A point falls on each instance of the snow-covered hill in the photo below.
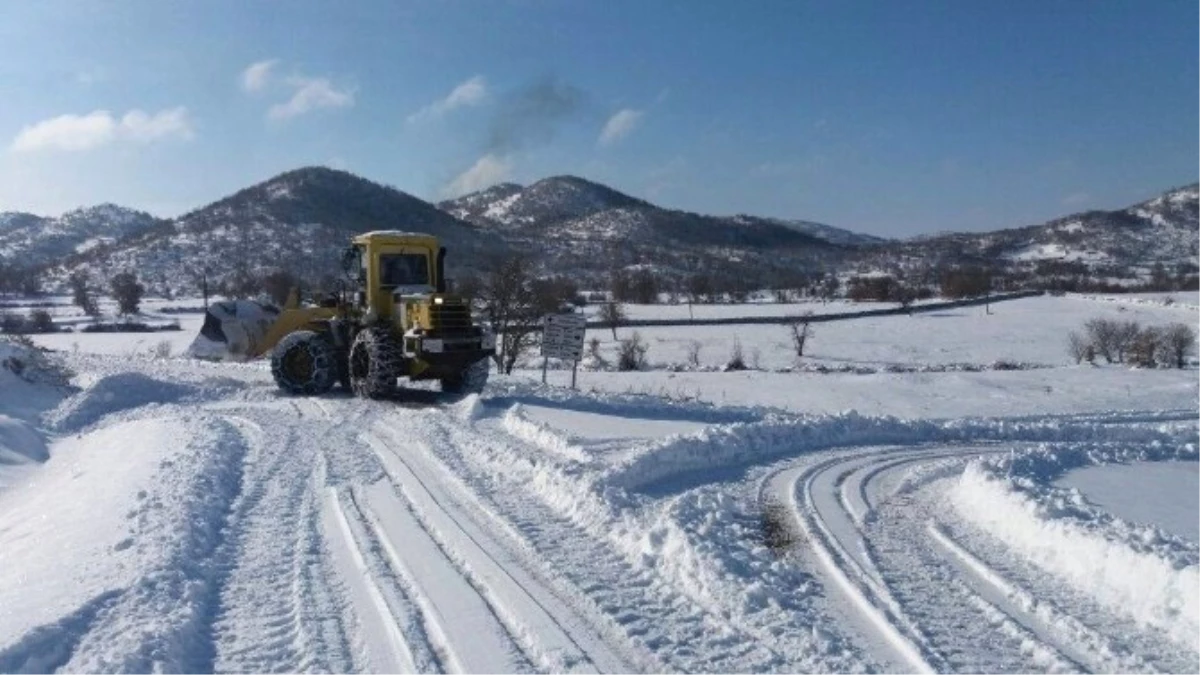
(831, 234)
(572, 223)
(26, 238)
(1122, 244)
(297, 222)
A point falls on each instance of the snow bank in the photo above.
(723, 446)
(541, 435)
(705, 544)
(111, 394)
(1148, 574)
(107, 551)
(30, 381)
(20, 442)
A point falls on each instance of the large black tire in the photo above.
(469, 381)
(375, 363)
(303, 363)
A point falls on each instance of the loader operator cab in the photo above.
(403, 269)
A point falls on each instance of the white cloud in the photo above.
(138, 126)
(468, 93)
(73, 133)
(620, 125)
(256, 76)
(485, 172)
(67, 132)
(311, 94)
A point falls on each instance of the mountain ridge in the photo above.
(299, 220)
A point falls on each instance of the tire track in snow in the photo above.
(548, 631)
(636, 603)
(933, 602)
(392, 630)
(277, 609)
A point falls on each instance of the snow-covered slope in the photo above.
(831, 234)
(298, 222)
(572, 223)
(1125, 243)
(33, 241)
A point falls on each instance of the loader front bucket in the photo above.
(233, 330)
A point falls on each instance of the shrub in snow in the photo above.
(775, 527)
(162, 350)
(592, 359)
(737, 360)
(40, 321)
(12, 324)
(632, 353)
(128, 327)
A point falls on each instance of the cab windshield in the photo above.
(403, 269)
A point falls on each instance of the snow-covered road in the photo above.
(929, 593)
(190, 518)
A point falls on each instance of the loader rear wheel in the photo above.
(470, 381)
(303, 363)
(375, 362)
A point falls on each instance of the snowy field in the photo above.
(943, 492)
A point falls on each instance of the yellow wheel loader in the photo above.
(399, 322)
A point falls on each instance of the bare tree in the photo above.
(513, 303)
(1143, 348)
(1124, 335)
(1178, 341)
(612, 315)
(279, 285)
(127, 291)
(81, 293)
(801, 330)
(1077, 346)
(693, 353)
(1102, 335)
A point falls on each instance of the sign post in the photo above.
(562, 338)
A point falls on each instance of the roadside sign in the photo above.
(562, 336)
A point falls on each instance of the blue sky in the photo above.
(886, 118)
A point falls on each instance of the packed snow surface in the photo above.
(893, 501)
(1159, 493)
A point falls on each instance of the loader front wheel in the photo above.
(303, 363)
(470, 381)
(375, 362)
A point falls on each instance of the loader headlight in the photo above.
(438, 301)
